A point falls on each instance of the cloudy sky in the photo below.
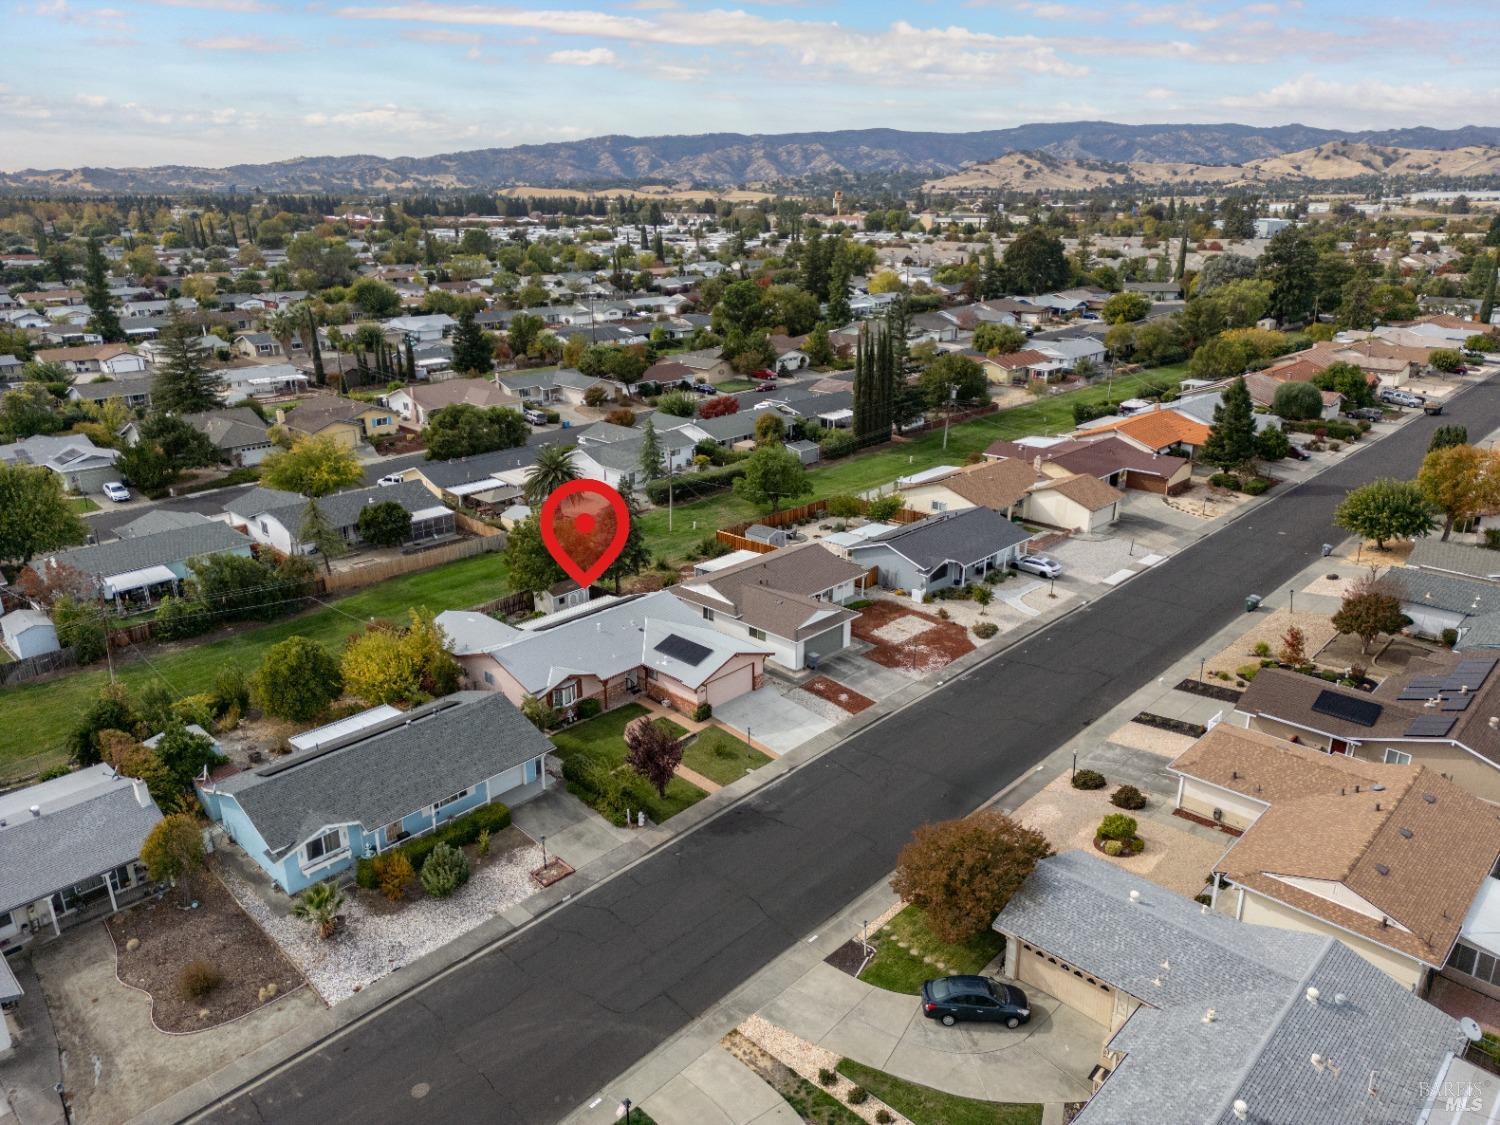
(215, 82)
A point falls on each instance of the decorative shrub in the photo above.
(827, 1077)
(197, 979)
(364, 874)
(1088, 779)
(446, 870)
(1112, 847)
(1225, 480)
(985, 630)
(1117, 826)
(199, 709)
(702, 713)
(983, 595)
(858, 1095)
(1262, 649)
(1247, 672)
(844, 506)
(883, 1117)
(1128, 797)
(393, 871)
(482, 844)
(1255, 487)
(944, 614)
(1450, 637)
(587, 709)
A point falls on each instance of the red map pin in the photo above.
(584, 525)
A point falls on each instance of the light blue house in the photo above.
(367, 783)
(141, 567)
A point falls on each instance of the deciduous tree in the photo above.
(297, 679)
(313, 466)
(1386, 509)
(1368, 610)
(34, 514)
(173, 851)
(773, 474)
(1462, 482)
(652, 751)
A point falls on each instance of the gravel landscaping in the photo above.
(1269, 628)
(376, 938)
(846, 700)
(757, 1038)
(922, 649)
(156, 939)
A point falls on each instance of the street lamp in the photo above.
(1291, 604)
(623, 1112)
(1202, 660)
(544, 852)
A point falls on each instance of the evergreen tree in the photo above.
(317, 531)
(471, 351)
(653, 466)
(1181, 255)
(183, 383)
(319, 375)
(1231, 438)
(839, 312)
(411, 361)
(1487, 302)
(991, 276)
(818, 348)
(103, 319)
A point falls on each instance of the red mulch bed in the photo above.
(218, 932)
(937, 646)
(846, 699)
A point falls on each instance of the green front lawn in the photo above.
(734, 386)
(38, 716)
(82, 505)
(604, 738)
(721, 757)
(1052, 414)
(926, 1106)
(905, 970)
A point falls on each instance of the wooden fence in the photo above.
(406, 564)
(465, 522)
(522, 602)
(734, 535)
(31, 667)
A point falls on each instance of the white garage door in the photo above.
(1073, 987)
(731, 686)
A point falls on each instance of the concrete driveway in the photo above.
(772, 719)
(871, 680)
(1047, 1060)
(718, 1089)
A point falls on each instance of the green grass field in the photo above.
(604, 737)
(38, 716)
(721, 757)
(82, 505)
(923, 1105)
(904, 970)
(1050, 415)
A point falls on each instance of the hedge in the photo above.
(1335, 428)
(691, 485)
(456, 833)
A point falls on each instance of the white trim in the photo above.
(1345, 929)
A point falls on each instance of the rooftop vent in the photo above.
(1135, 896)
(1405, 833)
(1209, 1016)
(1382, 869)
(36, 810)
(1429, 798)
(1377, 789)
(1312, 994)
(1241, 1109)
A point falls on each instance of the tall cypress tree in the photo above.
(1487, 304)
(103, 318)
(1181, 254)
(319, 374)
(411, 361)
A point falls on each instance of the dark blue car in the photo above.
(951, 999)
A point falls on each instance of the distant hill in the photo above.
(1332, 160)
(724, 159)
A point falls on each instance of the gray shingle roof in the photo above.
(341, 508)
(964, 537)
(113, 388)
(1449, 592)
(230, 429)
(173, 545)
(91, 822)
(387, 772)
(1455, 558)
(1181, 961)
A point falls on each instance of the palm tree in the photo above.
(320, 905)
(283, 324)
(553, 469)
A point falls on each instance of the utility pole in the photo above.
(948, 414)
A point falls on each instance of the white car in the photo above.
(390, 479)
(117, 492)
(1044, 566)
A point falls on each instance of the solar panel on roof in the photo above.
(1456, 703)
(1425, 683)
(1361, 712)
(684, 650)
(1412, 692)
(1430, 726)
(1469, 674)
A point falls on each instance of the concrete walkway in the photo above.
(1046, 1060)
(28, 1078)
(717, 1089)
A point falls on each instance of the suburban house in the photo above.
(493, 479)
(143, 567)
(950, 549)
(1014, 488)
(610, 650)
(1161, 430)
(1461, 560)
(417, 403)
(1391, 860)
(1118, 463)
(566, 385)
(1440, 713)
(134, 391)
(347, 421)
(80, 464)
(237, 433)
(369, 782)
(1437, 602)
(274, 518)
(1209, 1020)
(113, 360)
(1010, 368)
(790, 600)
(70, 851)
(258, 345)
(28, 632)
(422, 329)
(1263, 386)
(236, 384)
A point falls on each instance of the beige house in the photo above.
(1016, 489)
(1388, 859)
(347, 421)
(417, 403)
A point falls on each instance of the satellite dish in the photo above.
(1470, 1029)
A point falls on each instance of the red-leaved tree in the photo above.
(653, 752)
(718, 406)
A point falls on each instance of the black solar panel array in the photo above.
(1430, 726)
(1456, 703)
(680, 648)
(1469, 674)
(1360, 712)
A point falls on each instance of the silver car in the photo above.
(1044, 566)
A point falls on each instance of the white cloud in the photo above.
(251, 44)
(218, 5)
(441, 35)
(594, 56)
(1363, 103)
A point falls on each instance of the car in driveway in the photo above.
(116, 492)
(951, 999)
(1044, 566)
(1401, 398)
(1366, 414)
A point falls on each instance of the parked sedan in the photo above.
(1044, 566)
(1366, 414)
(950, 999)
(117, 492)
(766, 387)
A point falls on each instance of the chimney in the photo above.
(142, 794)
(1036, 464)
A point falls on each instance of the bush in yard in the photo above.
(702, 713)
(961, 873)
(1272, 444)
(482, 844)
(837, 443)
(393, 871)
(587, 709)
(173, 851)
(1261, 649)
(884, 507)
(858, 1095)
(1112, 847)
(827, 1077)
(1225, 480)
(386, 524)
(197, 979)
(1088, 779)
(200, 709)
(1247, 672)
(364, 874)
(983, 595)
(445, 871)
(883, 1117)
(297, 679)
(1293, 647)
(231, 689)
(1117, 826)
(985, 630)
(1255, 486)
(1128, 797)
(319, 906)
(844, 507)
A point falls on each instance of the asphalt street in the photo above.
(531, 1030)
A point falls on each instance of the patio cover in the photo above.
(137, 579)
(1481, 928)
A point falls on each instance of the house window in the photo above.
(320, 847)
(489, 678)
(758, 634)
(459, 796)
(939, 505)
(1397, 757)
(565, 695)
(708, 614)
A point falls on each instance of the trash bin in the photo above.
(1327, 549)
(1252, 602)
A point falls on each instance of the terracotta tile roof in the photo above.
(1089, 491)
(1157, 429)
(1262, 385)
(992, 484)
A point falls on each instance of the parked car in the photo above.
(1366, 414)
(1432, 407)
(390, 479)
(766, 387)
(950, 999)
(535, 417)
(1043, 565)
(763, 373)
(1297, 453)
(117, 492)
(705, 389)
(1401, 398)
